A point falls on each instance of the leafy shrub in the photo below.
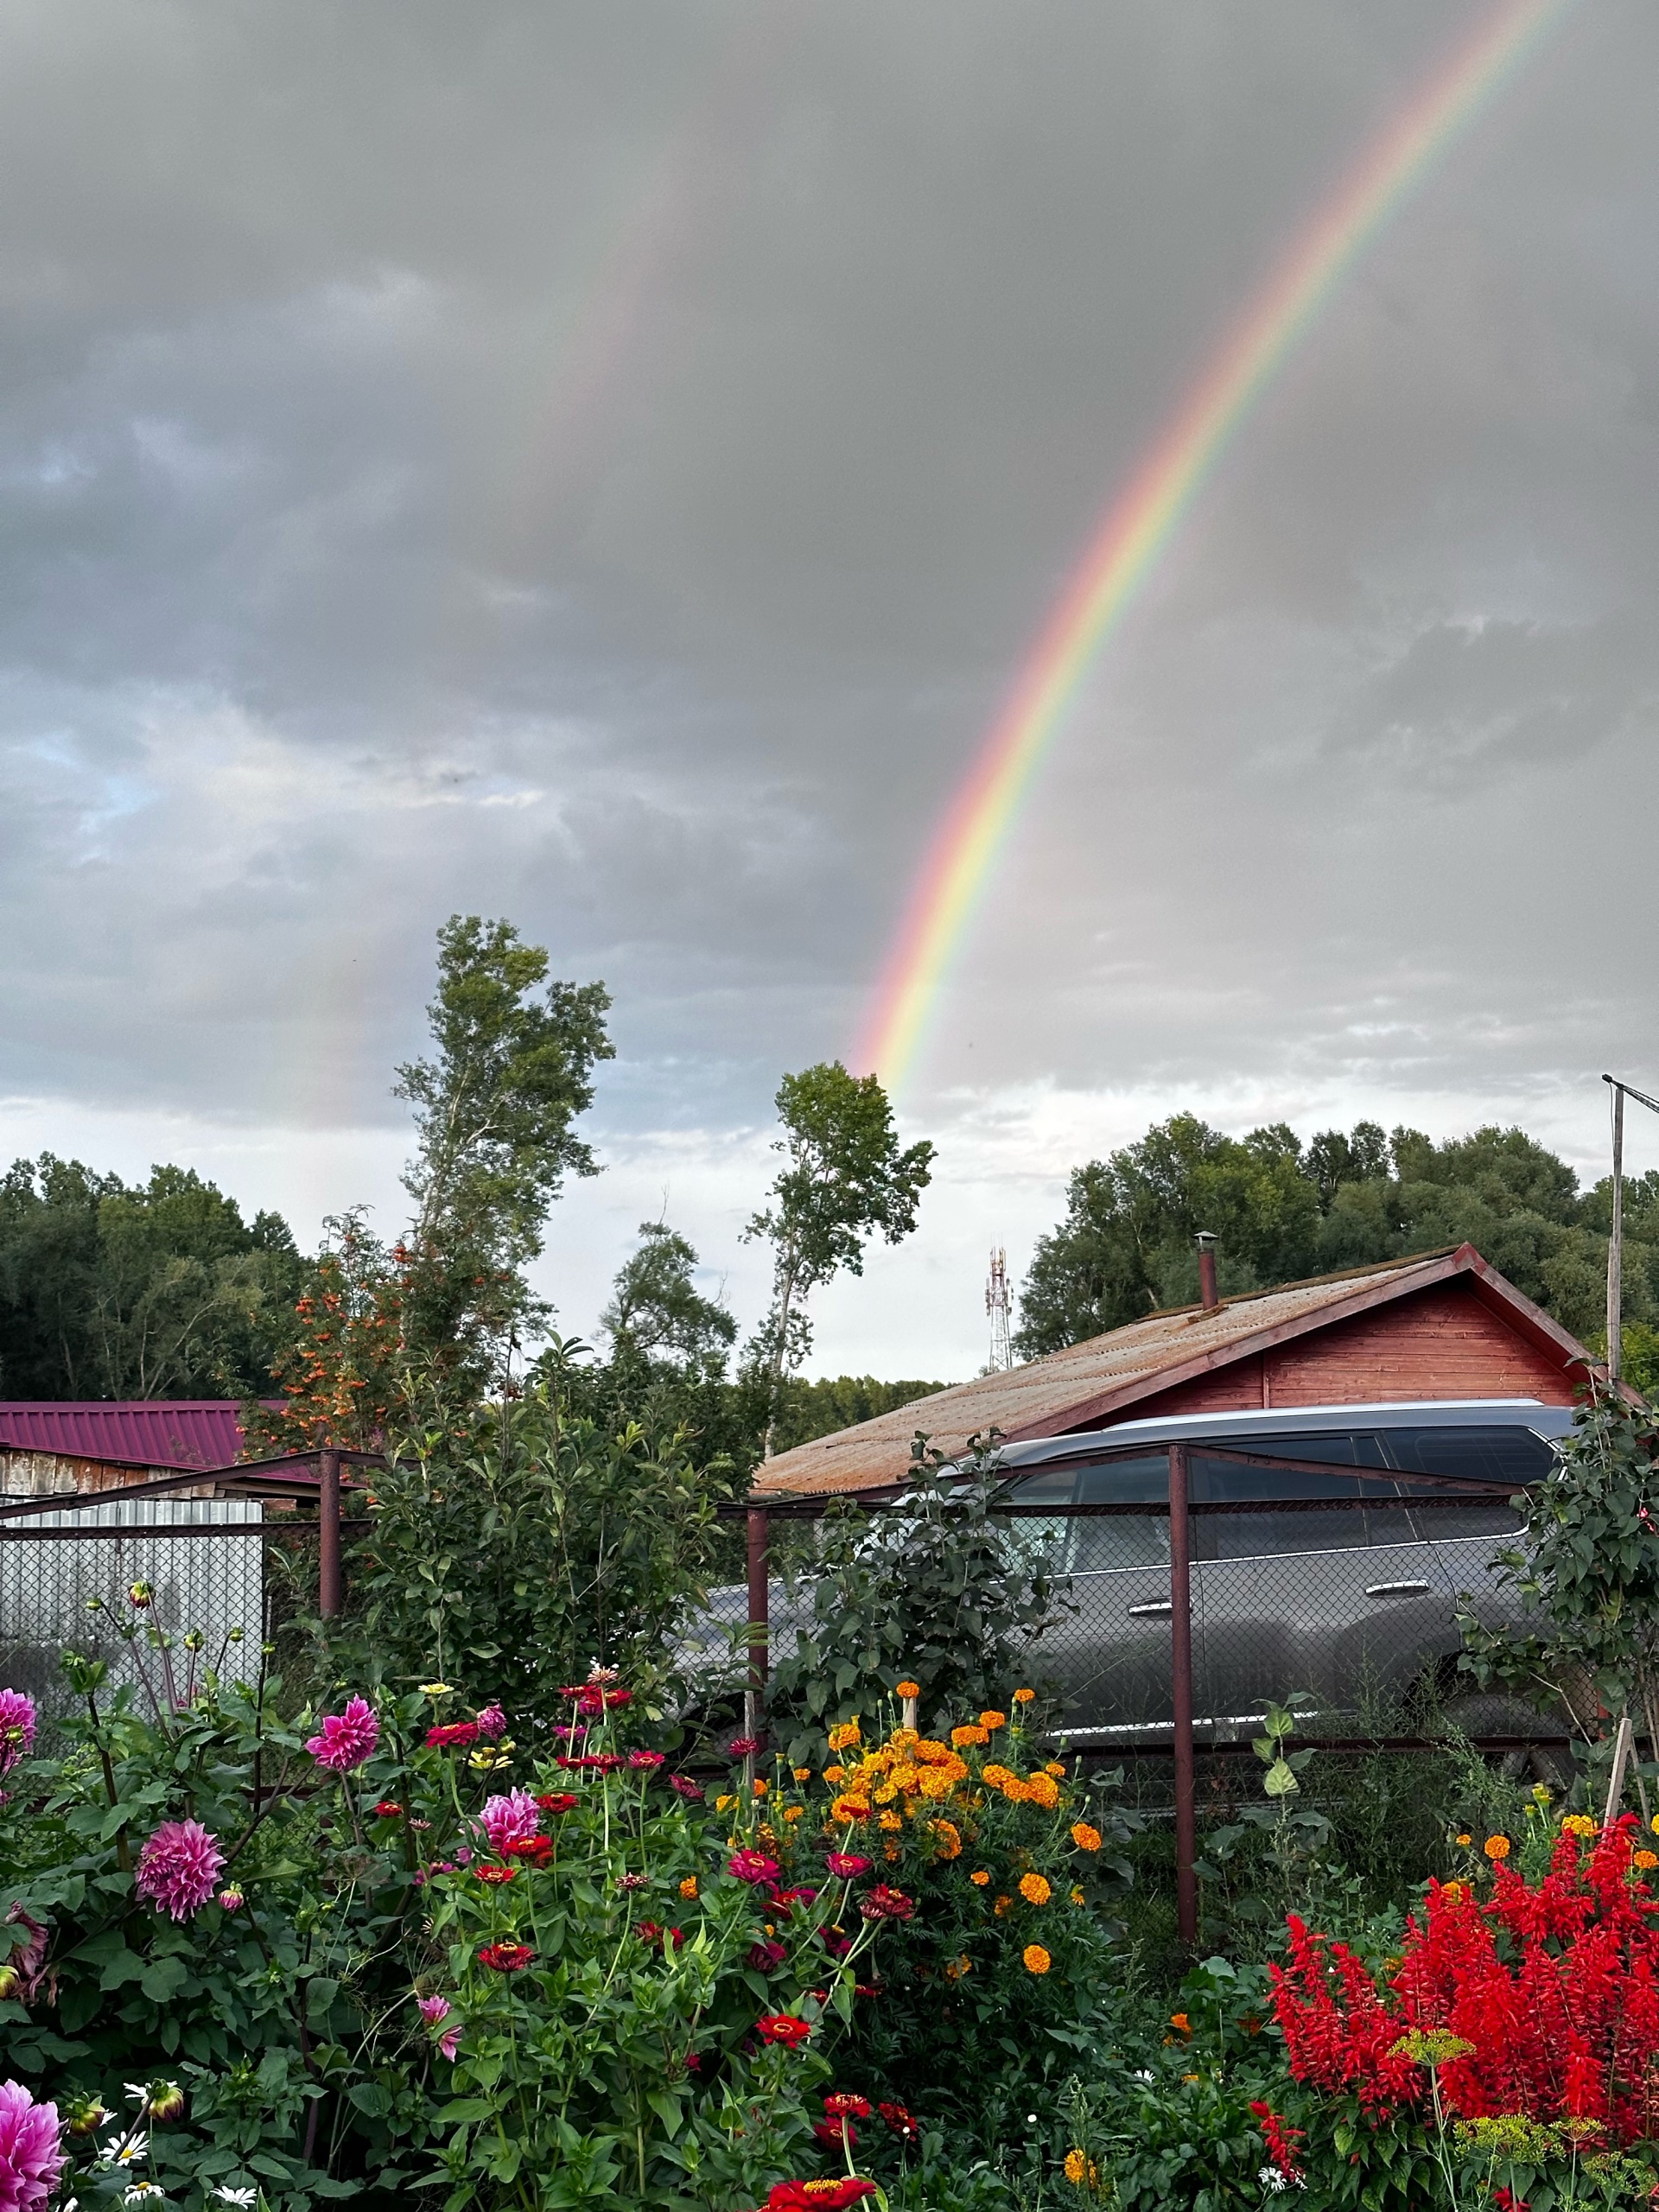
(940, 1590)
(512, 1560)
(348, 1957)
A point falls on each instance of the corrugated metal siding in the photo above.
(215, 1584)
(153, 1432)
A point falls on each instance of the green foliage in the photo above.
(514, 1559)
(158, 1289)
(1281, 1212)
(844, 1179)
(614, 2067)
(938, 1589)
(656, 1311)
(1586, 1563)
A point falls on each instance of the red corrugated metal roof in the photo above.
(147, 1433)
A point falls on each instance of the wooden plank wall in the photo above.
(1443, 1342)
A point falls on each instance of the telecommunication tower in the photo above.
(997, 1303)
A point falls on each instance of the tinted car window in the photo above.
(1497, 1455)
(1084, 1544)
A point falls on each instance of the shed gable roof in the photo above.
(203, 1433)
(1091, 1384)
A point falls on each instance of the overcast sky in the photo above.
(604, 465)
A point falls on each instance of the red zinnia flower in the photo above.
(506, 1958)
(785, 2028)
(686, 1787)
(845, 1865)
(843, 2104)
(558, 1801)
(767, 1958)
(496, 1873)
(818, 2196)
(387, 1809)
(883, 1903)
(534, 1850)
(455, 1732)
(899, 2118)
(753, 1866)
(836, 2134)
(645, 1762)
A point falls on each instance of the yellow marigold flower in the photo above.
(1452, 1889)
(934, 1782)
(849, 1808)
(929, 1748)
(1036, 1959)
(1084, 1837)
(890, 1851)
(969, 1732)
(891, 1820)
(979, 1878)
(992, 1719)
(1003, 1904)
(904, 1739)
(907, 1779)
(725, 1804)
(689, 1886)
(1496, 1848)
(843, 1735)
(1579, 1824)
(1055, 1768)
(1644, 1860)
(1034, 1889)
(1076, 2168)
(1024, 1697)
(1042, 1789)
(908, 1689)
(1078, 1897)
(1464, 1841)
(802, 1773)
(884, 1793)
(761, 1787)
(947, 1838)
(998, 1777)
(835, 1775)
(959, 1967)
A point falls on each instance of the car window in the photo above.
(1512, 1455)
(1260, 1536)
(1213, 1481)
(1343, 1447)
(1090, 1544)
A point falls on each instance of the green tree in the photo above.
(844, 1179)
(159, 1289)
(656, 1309)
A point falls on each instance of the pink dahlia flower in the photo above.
(16, 1727)
(511, 1819)
(492, 1722)
(177, 1870)
(30, 2161)
(346, 1740)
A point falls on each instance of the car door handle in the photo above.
(1160, 1605)
(1396, 1589)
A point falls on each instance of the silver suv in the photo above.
(1356, 1603)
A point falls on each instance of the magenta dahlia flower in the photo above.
(30, 2160)
(346, 1740)
(177, 1870)
(16, 1727)
(511, 1819)
(492, 1722)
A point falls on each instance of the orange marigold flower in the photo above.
(1015, 1792)
(969, 1732)
(843, 1735)
(802, 1773)
(1181, 2023)
(1077, 2167)
(689, 1886)
(908, 1689)
(1054, 1768)
(947, 1839)
(1034, 1889)
(998, 1777)
(1496, 1848)
(1078, 1897)
(992, 1719)
(1003, 1904)
(761, 1787)
(1036, 1959)
(979, 1878)
(849, 1808)
(1042, 1789)
(1644, 1860)
(892, 1820)
(1452, 1889)
(1024, 1697)
(835, 1774)
(1465, 1840)
(1084, 1837)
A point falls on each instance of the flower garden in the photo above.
(408, 1943)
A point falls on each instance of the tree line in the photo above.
(1282, 1211)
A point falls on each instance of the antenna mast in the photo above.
(997, 1303)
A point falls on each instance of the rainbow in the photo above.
(1151, 506)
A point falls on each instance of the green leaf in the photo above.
(163, 1978)
(667, 2109)
(126, 1966)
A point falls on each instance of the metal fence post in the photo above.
(759, 1569)
(328, 1535)
(1181, 1638)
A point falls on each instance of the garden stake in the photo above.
(1621, 1758)
(1180, 1674)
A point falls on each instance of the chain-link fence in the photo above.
(1199, 1583)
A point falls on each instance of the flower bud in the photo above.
(141, 1594)
(10, 1982)
(231, 1900)
(166, 2100)
(85, 2116)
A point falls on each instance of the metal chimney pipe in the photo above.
(1209, 1296)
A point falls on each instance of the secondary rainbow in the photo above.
(1148, 511)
